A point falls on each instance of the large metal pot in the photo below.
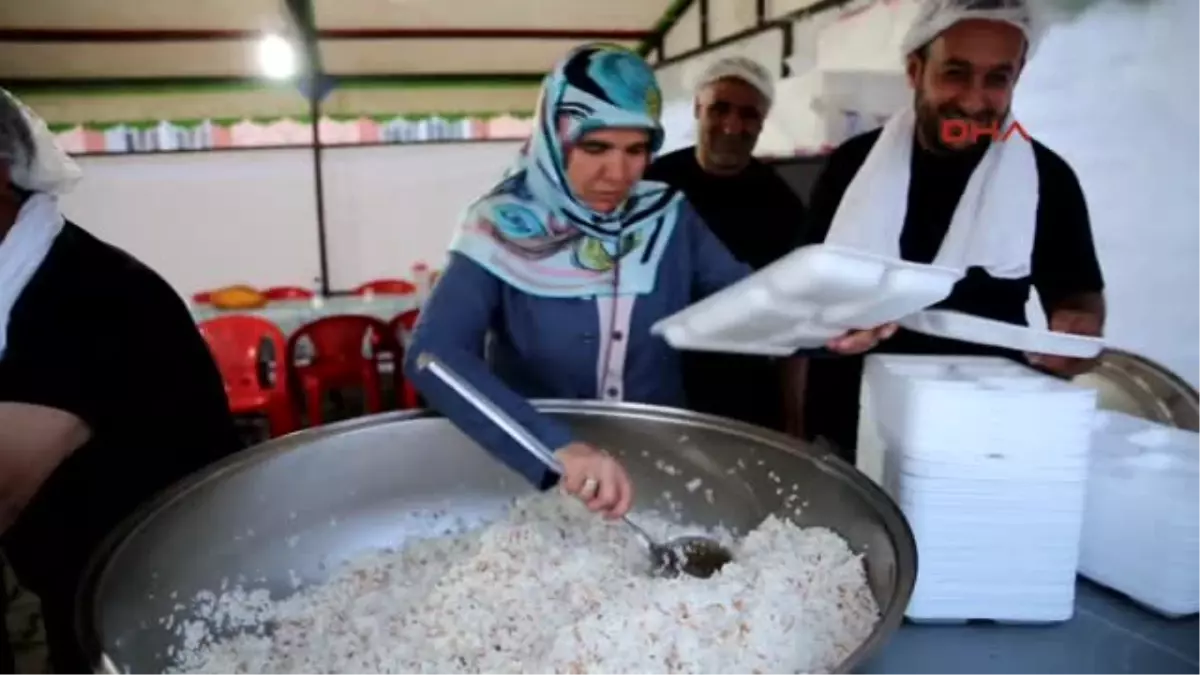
(299, 505)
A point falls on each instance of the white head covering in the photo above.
(36, 161)
(747, 70)
(935, 16)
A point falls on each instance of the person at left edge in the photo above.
(108, 393)
(754, 213)
(567, 263)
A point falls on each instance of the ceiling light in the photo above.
(276, 57)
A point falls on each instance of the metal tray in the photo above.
(1135, 385)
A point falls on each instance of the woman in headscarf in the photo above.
(566, 264)
(108, 393)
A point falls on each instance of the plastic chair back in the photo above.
(387, 287)
(288, 293)
(346, 351)
(401, 328)
(237, 343)
(350, 339)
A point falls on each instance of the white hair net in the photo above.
(35, 160)
(739, 67)
(935, 16)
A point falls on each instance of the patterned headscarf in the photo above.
(533, 232)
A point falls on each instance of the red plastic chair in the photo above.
(387, 287)
(337, 359)
(236, 343)
(288, 293)
(401, 327)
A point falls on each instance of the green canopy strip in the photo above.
(59, 127)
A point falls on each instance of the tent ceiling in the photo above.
(71, 40)
(238, 59)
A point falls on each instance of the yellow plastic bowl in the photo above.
(238, 297)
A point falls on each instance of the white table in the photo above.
(290, 315)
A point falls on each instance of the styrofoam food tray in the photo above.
(924, 492)
(804, 299)
(1049, 469)
(1140, 524)
(969, 328)
(999, 604)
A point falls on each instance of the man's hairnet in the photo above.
(935, 16)
(741, 68)
(35, 160)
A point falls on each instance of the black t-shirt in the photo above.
(754, 213)
(1063, 263)
(759, 219)
(98, 334)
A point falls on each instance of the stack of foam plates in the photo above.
(988, 460)
(805, 298)
(1141, 533)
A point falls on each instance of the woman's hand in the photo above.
(859, 341)
(596, 478)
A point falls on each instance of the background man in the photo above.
(751, 210)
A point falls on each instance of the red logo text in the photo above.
(955, 131)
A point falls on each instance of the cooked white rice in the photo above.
(551, 588)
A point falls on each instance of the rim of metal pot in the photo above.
(1163, 395)
(903, 542)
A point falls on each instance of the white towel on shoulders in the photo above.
(993, 226)
(47, 171)
(24, 250)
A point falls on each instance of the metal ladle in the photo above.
(691, 555)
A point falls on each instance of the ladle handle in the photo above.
(514, 429)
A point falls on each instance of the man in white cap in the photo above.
(750, 209)
(108, 393)
(1003, 207)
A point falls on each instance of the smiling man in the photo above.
(1010, 212)
(751, 210)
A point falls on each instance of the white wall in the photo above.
(844, 61)
(390, 206)
(1117, 93)
(207, 219)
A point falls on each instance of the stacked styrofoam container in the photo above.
(988, 460)
(1141, 533)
